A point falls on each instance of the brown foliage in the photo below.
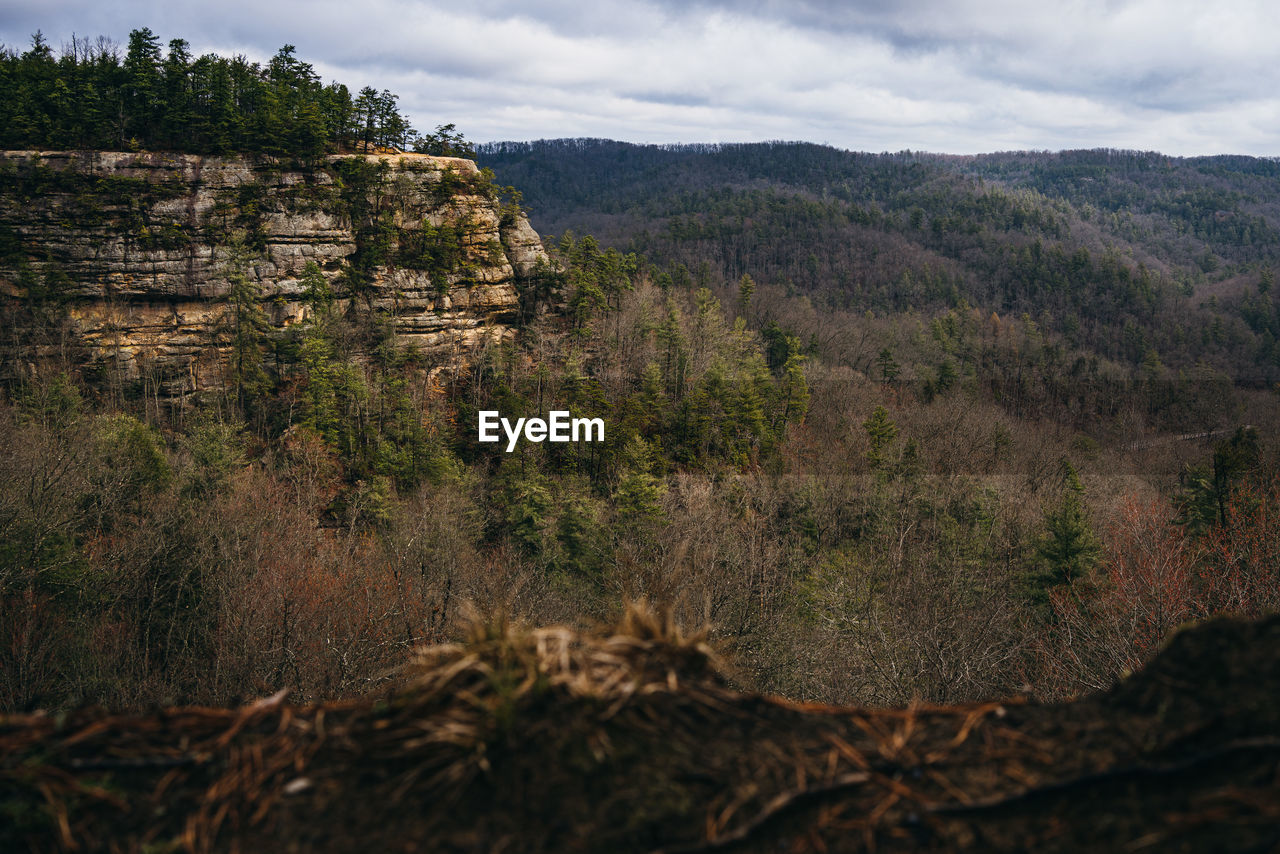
(1157, 577)
(626, 740)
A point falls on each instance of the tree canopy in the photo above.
(96, 96)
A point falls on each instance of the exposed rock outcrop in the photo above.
(138, 252)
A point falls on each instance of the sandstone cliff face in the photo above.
(139, 252)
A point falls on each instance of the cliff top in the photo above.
(162, 158)
(459, 163)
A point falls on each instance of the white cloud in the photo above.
(963, 76)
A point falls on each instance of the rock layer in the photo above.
(138, 251)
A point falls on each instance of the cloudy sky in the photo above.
(955, 76)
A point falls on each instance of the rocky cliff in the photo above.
(136, 255)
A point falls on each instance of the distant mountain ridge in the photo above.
(1127, 253)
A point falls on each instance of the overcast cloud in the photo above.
(956, 76)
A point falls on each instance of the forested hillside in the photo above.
(894, 427)
(1135, 257)
(927, 502)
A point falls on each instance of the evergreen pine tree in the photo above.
(248, 327)
(1068, 548)
(746, 289)
(881, 433)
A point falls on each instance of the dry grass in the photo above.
(627, 739)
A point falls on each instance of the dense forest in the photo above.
(1135, 257)
(94, 96)
(895, 427)
(849, 537)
